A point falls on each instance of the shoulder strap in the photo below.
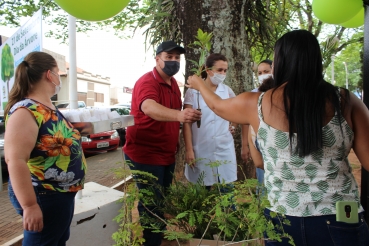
(260, 113)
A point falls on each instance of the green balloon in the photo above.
(356, 21)
(92, 10)
(336, 11)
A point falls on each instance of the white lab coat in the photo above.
(211, 142)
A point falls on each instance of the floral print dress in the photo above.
(56, 162)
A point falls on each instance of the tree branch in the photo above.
(318, 28)
(309, 15)
(352, 41)
(340, 32)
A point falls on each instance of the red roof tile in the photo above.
(79, 70)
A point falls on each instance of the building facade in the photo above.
(93, 89)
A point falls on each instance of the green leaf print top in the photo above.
(310, 185)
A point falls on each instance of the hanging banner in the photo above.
(26, 39)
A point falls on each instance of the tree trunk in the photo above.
(226, 20)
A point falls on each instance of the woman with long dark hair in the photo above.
(306, 128)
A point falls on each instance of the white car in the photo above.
(81, 104)
(127, 105)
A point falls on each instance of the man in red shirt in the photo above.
(151, 143)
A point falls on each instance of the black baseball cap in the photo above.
(168, 46)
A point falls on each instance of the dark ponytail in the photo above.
(28, 73)
(267, 84)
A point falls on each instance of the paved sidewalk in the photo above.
(99, 170)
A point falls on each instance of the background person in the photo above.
(266, 82)
(265, 79)
(265, 76)
(152, 142)
(264, 70)
(306, 128)
(43, 152)
(212, 141)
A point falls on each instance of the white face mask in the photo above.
(217, 78)
(57, 87)
(264, 77)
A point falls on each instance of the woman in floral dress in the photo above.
(43, 152)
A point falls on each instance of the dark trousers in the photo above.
(321, 231)
(57, 211)
(165, 177)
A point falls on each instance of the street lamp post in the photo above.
(344, 63)
(73, 96)
(73, 70)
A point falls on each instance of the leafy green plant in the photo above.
(234, 213)
(130, 231)
(203, 45)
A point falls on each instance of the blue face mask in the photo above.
(171, 67)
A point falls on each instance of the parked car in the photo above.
(81, 104)
(127, 105)
(100, 142)
(122, 110)
(106, 141)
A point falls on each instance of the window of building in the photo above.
(82, 96)
(99, 97)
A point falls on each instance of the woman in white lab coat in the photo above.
(213, 140)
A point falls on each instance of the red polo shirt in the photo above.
(149, 141)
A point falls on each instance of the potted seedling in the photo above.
(203, 45)
(224, 215)
(199, 216)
